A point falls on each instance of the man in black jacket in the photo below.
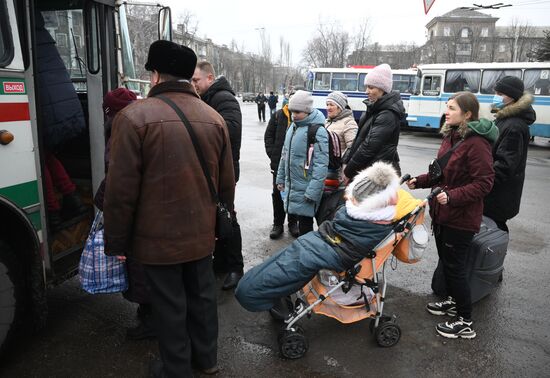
(260, 101)
(274, 139)
(514, 114)
(220, 96)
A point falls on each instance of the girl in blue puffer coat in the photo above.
(303, 169)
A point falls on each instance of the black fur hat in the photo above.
(170, 58)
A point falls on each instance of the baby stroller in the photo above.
(366, 281)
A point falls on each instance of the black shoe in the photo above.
(155, 369)
(457, 328)
(55, 220)
(72, 206)
(282, 309)
(141, 332)
(232, 280)
(294, 229)
(210, 371)
(276, 232)
(446, 307)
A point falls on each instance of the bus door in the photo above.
(426, 108)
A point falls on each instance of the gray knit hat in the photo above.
(380, 77)
(301, 101)
(339, 99)
(378, 183)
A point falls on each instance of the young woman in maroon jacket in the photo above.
(456, 212)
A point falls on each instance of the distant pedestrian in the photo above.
(303, 169)
(378, 134)
(260, 102)
(217, 92)
(158, 207)
(514, 114)
(466, 177)
(274, 139)
(272, 102)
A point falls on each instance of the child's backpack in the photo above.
(334, 152)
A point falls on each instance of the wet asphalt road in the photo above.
(85, 336)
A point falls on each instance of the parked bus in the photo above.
(92, 40)
(437, 82)
(322, 81)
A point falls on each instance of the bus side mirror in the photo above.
(165, 24)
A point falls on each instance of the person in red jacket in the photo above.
(456, 212)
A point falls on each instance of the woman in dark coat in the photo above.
(456, 212)
(379, 127)
(513, 117)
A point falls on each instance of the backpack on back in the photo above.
(334, 152)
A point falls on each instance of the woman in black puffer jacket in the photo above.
(379, 127)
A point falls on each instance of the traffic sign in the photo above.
(427, 5)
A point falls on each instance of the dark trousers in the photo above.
(261, 113)
(305, 224)
(186, 317)
(279, 207)
(452, 247)
(228, 253)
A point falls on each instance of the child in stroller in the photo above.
(368, 217)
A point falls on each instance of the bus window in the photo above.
(490, 78)
(403, 83)
(322, 81)
(431, 86)
(67, 29)
(462, 80)
(344, 82)
(6, 47)
(537, 82)
(362, 77)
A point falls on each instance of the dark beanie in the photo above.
(171, 58)
(117, 99)
(511, 86)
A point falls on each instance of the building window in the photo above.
(485, 32)
(464, 33)
(61, 39)
(447, 31)
(464, 47)
(483, 47)
(501, 48)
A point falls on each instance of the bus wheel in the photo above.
(10, 295)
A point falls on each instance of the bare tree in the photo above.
(361, 39)
(519, 36)
(187, 26)
(329, 47)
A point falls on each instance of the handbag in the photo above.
(99, 273)
(436, 167)
(224, 221)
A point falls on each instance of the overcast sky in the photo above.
(391, 21)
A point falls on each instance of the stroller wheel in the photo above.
(388, 334)
(293, 344)
(284, 331)
(383, 319)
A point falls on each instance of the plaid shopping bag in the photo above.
(100, 273)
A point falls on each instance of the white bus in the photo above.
(437, 82)
(322, 81)
(91, 38)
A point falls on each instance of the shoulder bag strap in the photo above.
(196, 144)
(443, 160)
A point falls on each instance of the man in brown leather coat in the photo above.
(158, 208)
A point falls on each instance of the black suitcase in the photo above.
(485, 262)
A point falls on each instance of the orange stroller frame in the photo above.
(315, 297)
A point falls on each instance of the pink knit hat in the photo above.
(380, 77)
